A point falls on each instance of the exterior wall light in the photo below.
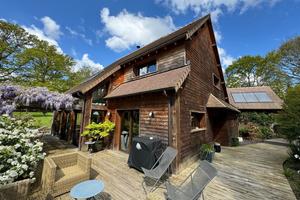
(151, 114)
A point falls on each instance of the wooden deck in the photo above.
(247, 172)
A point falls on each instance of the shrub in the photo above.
(244, 132)
(19, 151)
(235, 142)
(261, 119)
(96, 131)
(265, 132)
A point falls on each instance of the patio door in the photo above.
(129, 128)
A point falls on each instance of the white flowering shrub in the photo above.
(20, 152)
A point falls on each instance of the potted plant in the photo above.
(97, 132)
(207, 152)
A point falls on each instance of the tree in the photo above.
(244, 72)
(45, 67)
(290, 58)
(249, 71)
(288, 118)
(13, 41)
(80, 75)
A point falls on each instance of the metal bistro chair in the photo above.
(160, 167)
(193, 186)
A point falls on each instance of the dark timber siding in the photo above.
(155, 102)
(196, 90)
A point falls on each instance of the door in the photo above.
(129, 128)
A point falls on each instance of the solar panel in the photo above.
(263, 97)
(250, 97)
(238, 97)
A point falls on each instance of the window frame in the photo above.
(218, 85)
(202, 121)
(147, 65)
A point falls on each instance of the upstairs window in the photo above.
(216, 81)
(147, 69)
(198, 121)
(99, 94)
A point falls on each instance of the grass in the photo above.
(40, 119)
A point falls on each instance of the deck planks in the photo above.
(247, 172)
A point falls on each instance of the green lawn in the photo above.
(40, 118)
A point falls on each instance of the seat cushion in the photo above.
(67, 173)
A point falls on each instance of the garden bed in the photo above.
(292, 173)
(15, 190)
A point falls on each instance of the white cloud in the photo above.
(226, 59)
(209, 6)
(85, 61)
(50, 32)
(2, 19)
(81, 35)
(129, 29)
(51, 28)
(218, 36)
(42, 36)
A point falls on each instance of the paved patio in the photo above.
(247, 172)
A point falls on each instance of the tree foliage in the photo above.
(290, 58)
(288, 119)
(46, 67)
(13, 41)
(249, 71)
(26, 60)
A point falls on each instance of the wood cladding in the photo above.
(167, 59)
(154, 102)
(195, 93)
(172, 58)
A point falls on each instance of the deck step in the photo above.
(277, 141)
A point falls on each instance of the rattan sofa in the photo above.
(63, 171)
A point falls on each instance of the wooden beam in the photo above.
(86, 115)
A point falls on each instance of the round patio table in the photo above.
(87, 189)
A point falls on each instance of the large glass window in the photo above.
(146, 69)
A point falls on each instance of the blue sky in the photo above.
(96, 32)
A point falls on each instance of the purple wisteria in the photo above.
(12, 97)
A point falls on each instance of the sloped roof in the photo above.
(214, 102)
(184, 32)
(171, 79)
(274, 102)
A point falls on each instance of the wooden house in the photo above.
(172, 88)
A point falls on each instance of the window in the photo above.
(216, 81)
(251, 97)
(146, 69)
(98, 116)
(99, 94)
(198, 120)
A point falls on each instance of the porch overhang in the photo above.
(168, 80)
(214, 102)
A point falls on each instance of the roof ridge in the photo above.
(175, 35)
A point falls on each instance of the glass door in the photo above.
(129, 128)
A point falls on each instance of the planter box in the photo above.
(209, 156)
(16, 190)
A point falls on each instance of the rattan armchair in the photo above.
(63, 171)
